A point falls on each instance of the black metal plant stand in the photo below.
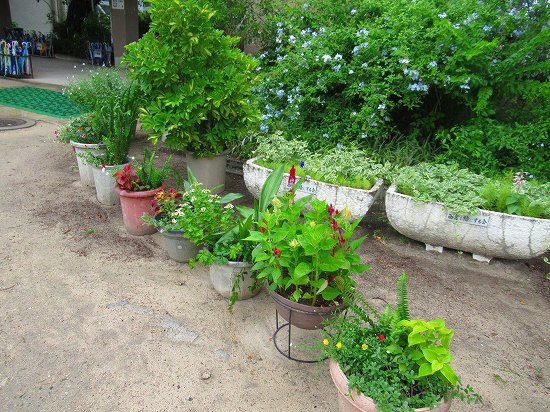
(286, 353)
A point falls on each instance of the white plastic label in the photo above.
(471, 220)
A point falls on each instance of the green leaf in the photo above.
(449, 374)
(269, 189)
(425, 369)
(330, 293)
(430, 355)
(230, 197)
(302, 269)
(255, 236)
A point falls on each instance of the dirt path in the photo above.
(94, 319)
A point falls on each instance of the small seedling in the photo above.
(89, 232)
(499, 378)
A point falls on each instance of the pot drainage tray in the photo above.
(41, 101)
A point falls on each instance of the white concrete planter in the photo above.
(84, 169)
(358, 200)
(105, 185)
(222, 278)
(208, 171)
(487, 235)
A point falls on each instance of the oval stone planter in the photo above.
(303, 316)
(208, 171)
(362, 403)
(134, 205)
(105, 185)
(222, 277)
(179, 248)
(358, 200)
(488, 235)
(84, 169)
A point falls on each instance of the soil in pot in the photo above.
(303, 316)
(362, 403)
(179, 248)
(208, 171)
(222, 278)
(134, 205)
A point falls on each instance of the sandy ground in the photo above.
(92, 318)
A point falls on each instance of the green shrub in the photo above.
(196, 82)
(376, 71)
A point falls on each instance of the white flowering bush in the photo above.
(372, 72)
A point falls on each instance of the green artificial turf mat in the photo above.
(41, 101)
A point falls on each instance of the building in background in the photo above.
(31, 14)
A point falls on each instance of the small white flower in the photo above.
(337, 56)
(203, 209)
(327, 58)
(353, 11)
(351, 71)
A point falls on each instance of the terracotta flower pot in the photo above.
(303, 316)
(362, 403)
(134, 205)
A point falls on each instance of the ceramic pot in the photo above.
(84, 169)
(303, 316)
(208, 171)
(362, 403)
(222, 277)
(134, 205)
(105, 185)
(179, 248)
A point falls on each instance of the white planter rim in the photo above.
(393, 190)
(79, 145)
(379, 182)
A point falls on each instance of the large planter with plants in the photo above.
(84, 169)
(233, 277)
(351, 401)
(488, 234)
(208, 171)
(179, 248)
(387, 361)
(105, 184)
(357, 200)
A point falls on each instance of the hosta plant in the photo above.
(401, 363)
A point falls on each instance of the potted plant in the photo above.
(137, 186)
(446, 206)
(301, 257)
(192, 219)
(116, 123)
(80, 135)
(198, 91)
(341, 176)
(230, 259)
(388, 362)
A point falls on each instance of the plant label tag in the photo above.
(305, 187)
(471, 220)
(97, 54)
(117, 4)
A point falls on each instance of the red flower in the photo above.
(341, 240)
(337, 212)
(262, 229)
(127, 177)
(381, 337)
(330, 278)
(276, 251)
(292, 176)
(330, 210)
(334, 224)
(80, 128)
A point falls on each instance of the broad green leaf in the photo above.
(425, 369)
(302, 269)
(230, 197)
(449, 374)
(330, 293)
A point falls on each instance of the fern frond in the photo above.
(356, 302)
(402, 310)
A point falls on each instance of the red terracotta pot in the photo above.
(303, 316)
(362, 403)
(134, 205)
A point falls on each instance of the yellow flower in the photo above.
(293, 243)
(276, 202)
(346, 213)
(325, 342)
(339, 345)
(364, 346)
(312, 224)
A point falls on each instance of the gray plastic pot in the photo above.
(222, 278)
(84, 169)
(179, 248)
(208, 171)
(105, 185)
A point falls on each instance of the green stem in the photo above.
(316, 258)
